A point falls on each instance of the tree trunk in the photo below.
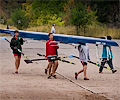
(77, 30)
(84, 31)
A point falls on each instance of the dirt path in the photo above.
(32, 84)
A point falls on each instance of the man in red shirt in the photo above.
(51, 51)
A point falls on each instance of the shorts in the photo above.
(84, 63)
(19, 55)
(52, 60)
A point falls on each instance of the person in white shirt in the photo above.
(84, 58)
(53, 29)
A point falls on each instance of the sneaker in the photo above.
(16, 72)
(100, 72)
(76, 75)
(45, 71)
(54, 76)
(51, 74)
(113, 71)
(49, 77)
(86, 78)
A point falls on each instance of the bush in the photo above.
(17, 15)
(10, 22)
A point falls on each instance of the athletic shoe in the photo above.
(54, 76)
(76, 75)
(16, 72)
(45, 71)
(113, 71)
(86, 78)
(100, 72)
(51, 74)
(49, 77)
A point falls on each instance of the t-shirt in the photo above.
(84, 53)
(53, 30)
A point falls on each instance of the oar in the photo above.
(40, 54)
(99, 65)
(61, 58)
(52, 58)
(71, 56)
(27, 61)
(66, 61)
(95, 63)
(4, 38)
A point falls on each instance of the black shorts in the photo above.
(50, 58)
(84, 63)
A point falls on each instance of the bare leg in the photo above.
(50, 66)
(16, 63)
(19, 62)
(46, 70)
(85, 68)
(55, 66)
(76, 74)
(80, 71)
(47, 67)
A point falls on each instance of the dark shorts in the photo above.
(19, 55)
(84, 63)
(52, 60)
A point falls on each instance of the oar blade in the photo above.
(70, 56)
(3, 38)
(28, 61)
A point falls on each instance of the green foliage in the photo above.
(49, 19)
(10, 22)
(56, 20)
(47, 12)
(27, 7)
(81, 16)
(79, 13)
(19, 14)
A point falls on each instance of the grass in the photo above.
(91, 31)
(4, 27)
(69, 30)
(3, 34)
(99, 31)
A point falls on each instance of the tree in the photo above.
(107, 11)
(19, 19)
(47, 12)
(81, 16)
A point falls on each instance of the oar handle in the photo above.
(59, 58)
(38, 59)
(40, 54)
(7, 40)
(76, 57)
